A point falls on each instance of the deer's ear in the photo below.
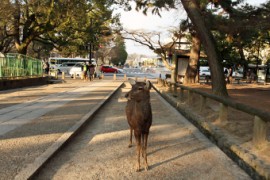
(132, 81)
(147, 85)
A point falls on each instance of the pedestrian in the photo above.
(85, 69)
(46, 67)
(249, 76)
(226, 74)
(253, 77)
(229, 75)
(91, 72)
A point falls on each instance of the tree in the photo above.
(193, 10)
(195, 13)
(192, 69)
(118, 52)
(40, 50)
(247, 35)
(64, 24)
(153, 40)
(29, 21)
(6, 41)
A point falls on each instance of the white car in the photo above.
(205, 72)
(120, 71)
(76, 69)
(237, 74)
(65, 67)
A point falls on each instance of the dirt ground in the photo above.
(255, 95)
(240, 125)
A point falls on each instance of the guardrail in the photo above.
(261, 118)
(17, 65)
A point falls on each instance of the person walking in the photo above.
(46, 67)
(91, 72)
(229, 75)
(85, 69)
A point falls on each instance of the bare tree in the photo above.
(153, 40)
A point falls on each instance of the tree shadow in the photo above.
(178, 156)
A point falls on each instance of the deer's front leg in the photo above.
(130, 138)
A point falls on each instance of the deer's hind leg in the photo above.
(144, 150)
(138, 142)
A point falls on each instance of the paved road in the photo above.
(177, 150)
(33, 119)
(15, 116)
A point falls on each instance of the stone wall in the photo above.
(19, 83)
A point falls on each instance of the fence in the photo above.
(241, 131)
(260, 118)
(18, 66)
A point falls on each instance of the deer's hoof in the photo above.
(138, 169)
(146, 168)
(130, 145)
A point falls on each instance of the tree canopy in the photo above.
(223, 28)
(64, 25)
(118, 52)
(227, 29)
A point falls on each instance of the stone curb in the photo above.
(32, 169)
(255, 167)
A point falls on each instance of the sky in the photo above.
(133, 20)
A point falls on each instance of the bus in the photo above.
(56, 61)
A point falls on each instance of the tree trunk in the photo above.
(174, 71)
(192, 69)
(22, 49)
(214, 58)
(243, 59)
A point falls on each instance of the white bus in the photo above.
(56, 61)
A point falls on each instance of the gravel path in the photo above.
(176, 149)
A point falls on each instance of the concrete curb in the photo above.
(229, 145)
(32, 169)
(6, 84)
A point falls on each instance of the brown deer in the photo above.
(139, 117)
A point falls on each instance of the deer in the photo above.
(139, 117)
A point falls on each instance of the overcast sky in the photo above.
(136, 20)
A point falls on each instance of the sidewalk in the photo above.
(32, 119)
(15, 116)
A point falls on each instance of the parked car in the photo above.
(237, 73)
(120, 70)
(109, 69)
(65, 67)
(205, 72)
(76, 69)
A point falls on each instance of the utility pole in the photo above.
(90, 52)
(90, 42)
